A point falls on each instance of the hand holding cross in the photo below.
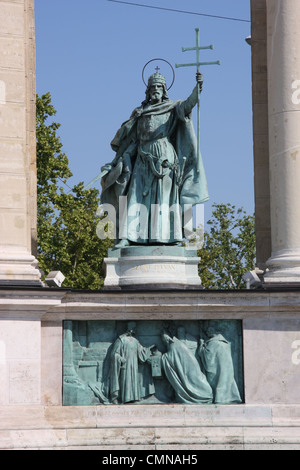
(199, 77)
(199, 80)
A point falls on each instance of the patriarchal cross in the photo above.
(197, 64)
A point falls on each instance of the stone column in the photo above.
(284, 141)
(260, 132)
(17, 144)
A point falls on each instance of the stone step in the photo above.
(152, 438)
(140, 427)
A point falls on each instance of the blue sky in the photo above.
(90, 56)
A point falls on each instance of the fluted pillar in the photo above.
(283, 18)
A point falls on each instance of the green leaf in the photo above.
(229, 248)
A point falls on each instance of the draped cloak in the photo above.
(217, 362)
(184, 374)
(156, 163)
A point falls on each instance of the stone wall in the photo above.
(31, 338)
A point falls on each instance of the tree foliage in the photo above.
(229, 248)
(67, 221)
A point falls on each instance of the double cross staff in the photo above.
(197, 64)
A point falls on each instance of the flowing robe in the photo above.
(217, 362)
(156, 166)
(184, 374)
(125, 378)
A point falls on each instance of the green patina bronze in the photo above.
(152, 250)
(156, 164)
(119, 362)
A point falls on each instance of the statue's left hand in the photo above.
(127, 163)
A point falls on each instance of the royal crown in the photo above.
(156, 78)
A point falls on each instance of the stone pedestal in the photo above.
(152, 267)
(31, 378)
(284, 137)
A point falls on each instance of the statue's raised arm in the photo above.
(193, 99)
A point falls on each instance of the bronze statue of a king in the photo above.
(157, 169)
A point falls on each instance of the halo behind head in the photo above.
(157, 76)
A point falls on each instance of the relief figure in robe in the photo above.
(183, 372)
(216, 359)
(127, 381)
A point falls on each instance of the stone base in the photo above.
(19, 269)
(31, 358)
(283, 269)
(152, 267)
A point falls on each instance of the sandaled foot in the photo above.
(123, 243)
